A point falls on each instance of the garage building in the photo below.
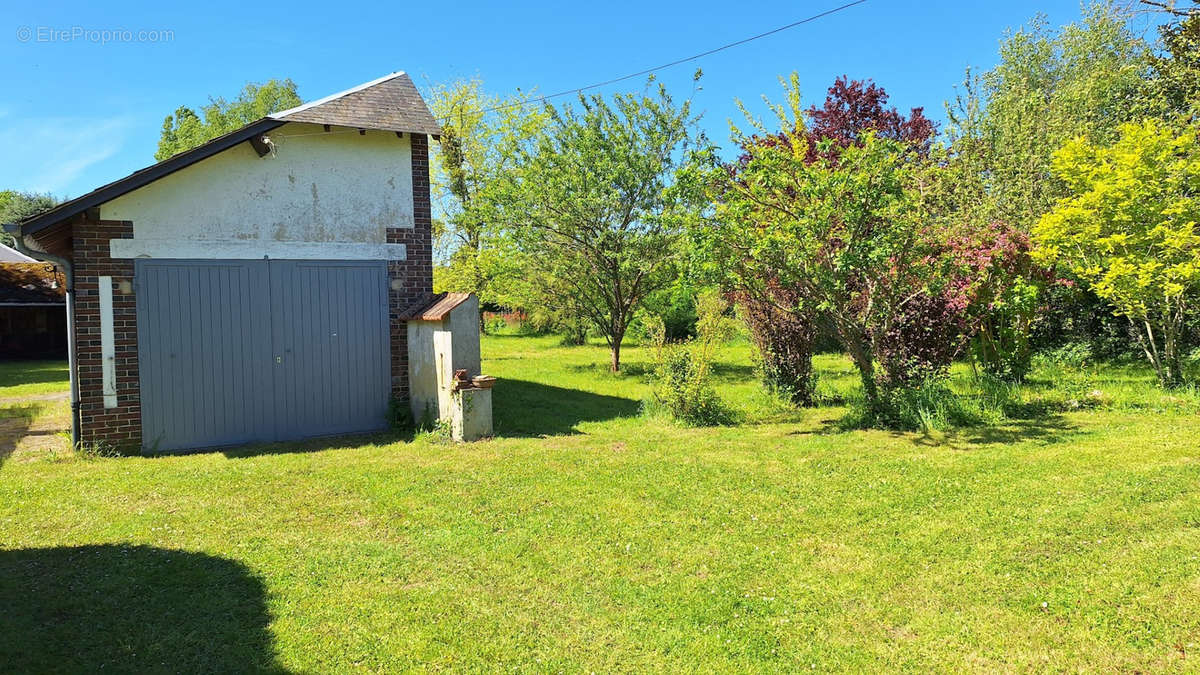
(253, 288)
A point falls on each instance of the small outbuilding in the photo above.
(444, 366)
(254, 288)
(33, 317)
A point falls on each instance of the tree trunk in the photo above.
(860, 353)
(1142, 334)
(866, 373)
(1172, 358)
(619, 326)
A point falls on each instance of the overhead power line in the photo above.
(686, 59)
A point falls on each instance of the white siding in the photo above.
(317, 187)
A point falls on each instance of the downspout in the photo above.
(68, 273)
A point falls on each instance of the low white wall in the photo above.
(423, 370)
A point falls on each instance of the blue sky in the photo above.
(77, 113)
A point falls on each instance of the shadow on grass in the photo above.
(602, 369)
(1042, 431)
(1048, 429)
(132, 609)
(522, 409)
(733, 372)
(306, 445)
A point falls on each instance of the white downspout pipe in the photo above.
(68, 274)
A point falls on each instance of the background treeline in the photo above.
(1057, 208)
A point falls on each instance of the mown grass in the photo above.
(587, 537)
(34, 409)
(31, 378)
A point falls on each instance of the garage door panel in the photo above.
(204, 353)
(330, 335)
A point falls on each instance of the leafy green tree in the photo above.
(1176, 81)
(187, 129)
(1050, 86)
(842, 227)
(16, 206)
(596, 208)
(481, 135)
(1131, 229)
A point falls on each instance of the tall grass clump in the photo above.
(926, 406)
(682, 374)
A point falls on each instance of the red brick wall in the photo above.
(120, 426)
(412, 279)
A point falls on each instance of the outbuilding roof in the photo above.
(436, 307)
(33, 283)
(11, 255)
(390, 103)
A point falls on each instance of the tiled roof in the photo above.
(391, 103)
(436, 307)
(30, 283)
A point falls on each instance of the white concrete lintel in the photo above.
(199, 249)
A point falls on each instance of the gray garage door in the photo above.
(233, 352)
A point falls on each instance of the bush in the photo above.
(676, 306)
(574, 332)
(682, 391)
(682, 387)
(785, 343)
(1070, 355)
(920, 342)
(1073, 314)
(996, 284)
(1192, 364)
(544, 321)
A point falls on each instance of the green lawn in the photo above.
(588, 538)
(32, 378)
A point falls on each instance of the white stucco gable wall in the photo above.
(328, 195)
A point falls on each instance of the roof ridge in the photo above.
(332, 97)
